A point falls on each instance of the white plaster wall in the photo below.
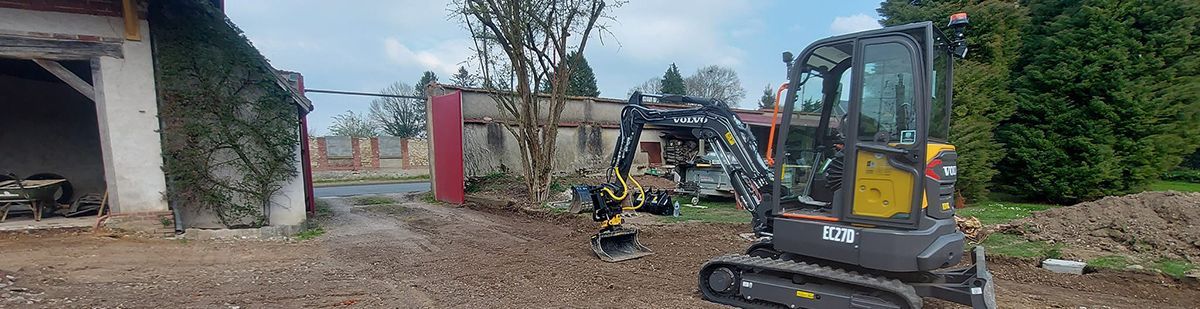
(288, 206)
(128, 111)
(126, 106)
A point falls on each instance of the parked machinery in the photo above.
(869, 222)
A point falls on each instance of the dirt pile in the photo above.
(970, 226)
(1148, 224)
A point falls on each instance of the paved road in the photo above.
(370, 189)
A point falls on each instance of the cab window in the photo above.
(887, 112)
(939, 116)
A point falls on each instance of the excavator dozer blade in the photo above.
(619, 245)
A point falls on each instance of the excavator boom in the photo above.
(706, 119)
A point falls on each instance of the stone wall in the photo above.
(587, 135)
(384, 153)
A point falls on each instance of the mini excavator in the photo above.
(853, 205)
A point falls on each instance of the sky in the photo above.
(366, 45)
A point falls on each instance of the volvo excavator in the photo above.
(853, 205)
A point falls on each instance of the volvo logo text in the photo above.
(693, 119)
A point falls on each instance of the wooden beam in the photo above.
(68, 77)
(133, 31)
(21, 47)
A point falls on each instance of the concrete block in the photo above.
(273, 232)
(390, 147)
(339, 147)
(1064, 266)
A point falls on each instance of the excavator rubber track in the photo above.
(745, 264)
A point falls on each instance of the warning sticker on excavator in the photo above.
(808, 295)
(729, 138)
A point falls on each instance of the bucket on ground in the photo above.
(619, 245)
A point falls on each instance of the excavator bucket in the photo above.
(581, 200)
(619, 245)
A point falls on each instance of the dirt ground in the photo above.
(417, 255)
(1149, 224)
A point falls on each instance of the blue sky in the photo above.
(367, 45)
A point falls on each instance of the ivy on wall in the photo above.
(229, 130)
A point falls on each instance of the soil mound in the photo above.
(1148, 224)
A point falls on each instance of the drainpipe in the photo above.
(172, 206)
(306, 165)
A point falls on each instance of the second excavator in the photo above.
(856, 209)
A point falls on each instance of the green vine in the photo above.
(229, 130)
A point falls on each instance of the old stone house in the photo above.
(79, 99)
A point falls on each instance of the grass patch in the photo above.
(556, 210)
(1002, 212)
(372, 178)
(323, 209)
(717, 211)
(1016, 246)
(478, 183)
(373, 200)
(1175, 268)
(310, 233)
(428, 198)
(1118, 262)
(1175, 186)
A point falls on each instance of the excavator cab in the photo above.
(878, 153)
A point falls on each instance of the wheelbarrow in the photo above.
(33, 193)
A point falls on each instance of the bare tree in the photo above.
(716, 82)
(401, 117)
(353, 125)
(650, 86)
(523, 44)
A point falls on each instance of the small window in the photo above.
(939, 116)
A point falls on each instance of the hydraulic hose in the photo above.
(624, 186)
(642, 195)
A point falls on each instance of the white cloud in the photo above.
(444, 58)
(853, 23)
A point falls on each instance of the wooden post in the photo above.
(133, 31)
(100, 212)
(68, 77)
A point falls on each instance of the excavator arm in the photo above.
(706, 119)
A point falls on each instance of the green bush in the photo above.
(1183, 174)
(1107, 98)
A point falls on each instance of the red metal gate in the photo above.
(447, 153)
